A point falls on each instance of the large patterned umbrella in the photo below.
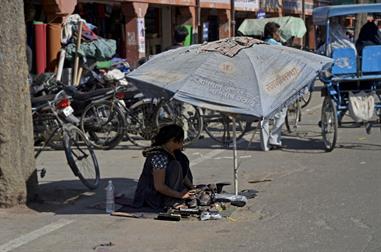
(238, 75)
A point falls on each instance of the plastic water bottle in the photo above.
(110, 204)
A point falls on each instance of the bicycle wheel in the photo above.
(185, 115)
(219, 127)
(81, 157)
(104, 122)
(293, 117)
(141, 127)
(329, 124)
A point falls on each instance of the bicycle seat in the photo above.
(344, 61)
(41, 100)
(88, 96)
(371, 60)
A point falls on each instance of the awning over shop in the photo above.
(321, 14)
(240, 5)
(289, 27)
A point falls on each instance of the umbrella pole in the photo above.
(235, 157)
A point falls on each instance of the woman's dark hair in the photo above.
(270, 29)
(168, 132)
(141, 61)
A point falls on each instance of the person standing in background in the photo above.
(179, 36)
(369, 35)
(271, 140)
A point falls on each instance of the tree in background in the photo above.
(18, 177)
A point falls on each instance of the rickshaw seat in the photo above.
(371, 60)
(344, 61)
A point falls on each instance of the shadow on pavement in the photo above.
(204, 143)
(295, 141)
(303, 145)
(72, 197)
(360, 146)
(310, 142)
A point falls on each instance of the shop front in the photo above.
(146, 28)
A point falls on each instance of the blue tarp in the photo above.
(321, 14)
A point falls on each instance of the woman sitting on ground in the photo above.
(166, 177)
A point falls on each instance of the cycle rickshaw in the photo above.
(350, 73)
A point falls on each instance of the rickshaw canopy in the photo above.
(320, 15)
(289, 27)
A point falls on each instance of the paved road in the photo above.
(315, 201)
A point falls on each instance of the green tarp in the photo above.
(289, 27)
(188, 39)
(100, 49)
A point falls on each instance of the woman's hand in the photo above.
(160, 186)
(186, 194)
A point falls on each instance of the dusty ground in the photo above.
(314, 201)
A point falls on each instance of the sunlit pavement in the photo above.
(307, 200)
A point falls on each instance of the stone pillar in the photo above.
(184, 15)
(166, 21)
(224, 24)
(134, 13)
(311, 36)
(56, 11)
(58, 8)
(195, 23)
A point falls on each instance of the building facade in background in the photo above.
(146, 27)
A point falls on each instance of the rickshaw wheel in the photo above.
(329, 124)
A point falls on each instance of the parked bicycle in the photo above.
(147, 115)
(94, 107)
(219, 126)
(52, 115)
(294, 112)
(100, 115)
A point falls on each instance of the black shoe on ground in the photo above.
(368, 128)
(276, 147)
(192, 203)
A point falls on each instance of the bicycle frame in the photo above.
(53, 109)
(76, 145)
